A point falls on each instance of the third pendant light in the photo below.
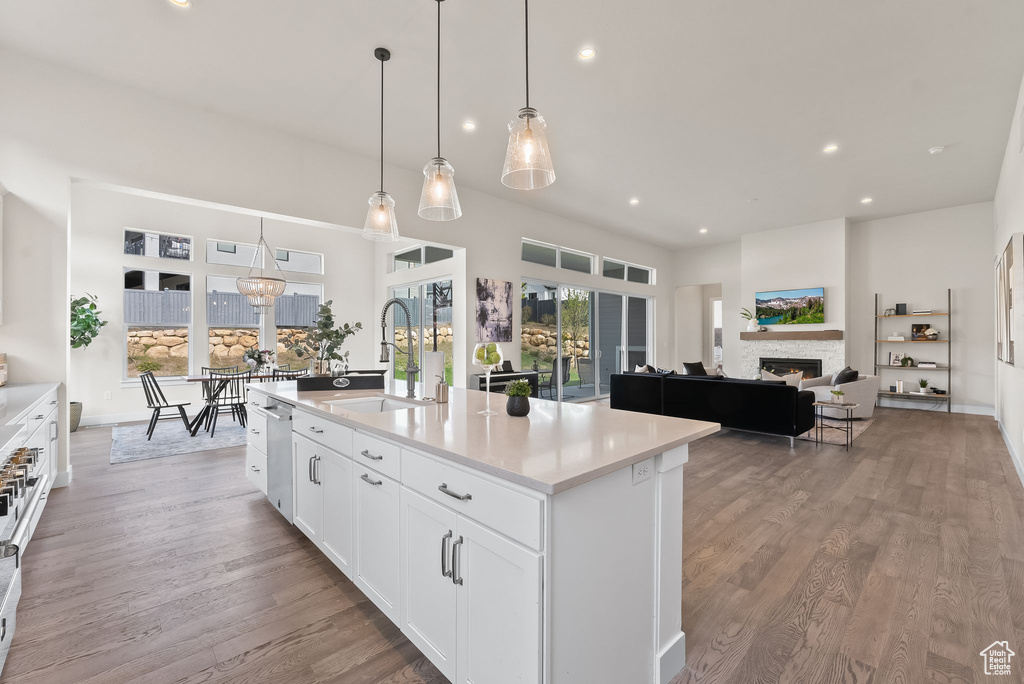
(439, 200)
(527, 160)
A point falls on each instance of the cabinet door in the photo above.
(335, 474)
(376, 552)
(499, 608)
(54, 431)
(308, 494)
(428, 594)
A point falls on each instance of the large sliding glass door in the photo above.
(430, 305)
(636, 332)
(609, 338)
(576, 363)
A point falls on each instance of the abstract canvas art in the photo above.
(493, 310)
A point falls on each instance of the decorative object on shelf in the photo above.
(748, 315)
(892, 388)
(927, 364)
(381, 224)
(907, 361)
(936, 390)
(889, 312)
(901, 309)
(85, 326)
(258, 359)
(899, 386)
(493, 310)
(921, 312)
(527, 160)
(931, 334)
(896, 337)
(439, 200)
(837, 396)
(923, 382)
(487, 355)
(322, 341)
(917, 331)
(896, 358)
(763, 328)
(261, 290)
(518, 393)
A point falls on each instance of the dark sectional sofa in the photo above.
(773, 408)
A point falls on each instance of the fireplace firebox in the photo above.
(810, 367)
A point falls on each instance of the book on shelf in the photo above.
(927, 364)
(922, 311)
(896, 338)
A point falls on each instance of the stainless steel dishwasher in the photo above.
(279, 457)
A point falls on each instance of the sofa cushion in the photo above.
(792, 379)
(696, 368)
(845, 375)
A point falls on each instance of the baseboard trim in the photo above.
(63, 478)
(89, 421)
(1018, 463)
(672, 659)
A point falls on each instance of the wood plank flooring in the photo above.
(895, 562)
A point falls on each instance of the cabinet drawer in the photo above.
(330, 434)
(257, 400)
(510, 512)
(256, 467)
(256, 430)
(384, 457)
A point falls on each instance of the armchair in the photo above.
(862, 391)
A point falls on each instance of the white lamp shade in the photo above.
(528, 159)
(439, 200)
(381, 224)
(260, 290)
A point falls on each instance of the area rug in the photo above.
(170, 439)
(836, 436)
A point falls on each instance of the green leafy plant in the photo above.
(837, 393)
(323, 339)
(923, 382)
(746, 314)
(907, 362)
(518, 388)
(85, 321)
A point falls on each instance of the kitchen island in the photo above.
(538, 549)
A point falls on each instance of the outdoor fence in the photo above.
(224, 309)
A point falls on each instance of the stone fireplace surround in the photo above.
(831, 352)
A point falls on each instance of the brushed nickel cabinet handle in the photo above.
(311, 468)
(315, 431)
(461, 497)
(254, 469)
(456, 556)
(367, 454)
(445, 571)
(316, 470)
(366, 478)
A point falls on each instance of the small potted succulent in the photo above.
(518, 393)
(837, 396)
(924, 386)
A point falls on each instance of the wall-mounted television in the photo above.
(790, 307)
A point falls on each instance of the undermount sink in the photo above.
(372, 404)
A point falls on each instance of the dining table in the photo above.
(215, 384)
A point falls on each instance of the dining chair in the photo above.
(227, 395)
(586, 370)
(285, 374)
(157, 402)
(207, 384)
(549, 383)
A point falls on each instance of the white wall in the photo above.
(718, 264)
(914, 259)
(1009, 219)
(100, 216)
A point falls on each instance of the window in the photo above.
(637, 274)
(576, 261)
(158, 321)
(537, 253)
(233, 325)
(417, 256)
(230, 253)
(159, 245)
(613, 269)
(1004, 306)
(295, 311)
(299, 262)
(431, 307)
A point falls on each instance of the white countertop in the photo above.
(17, 399)
(556, 447)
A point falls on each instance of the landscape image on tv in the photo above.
(787, 307)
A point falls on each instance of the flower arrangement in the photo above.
(258, 359)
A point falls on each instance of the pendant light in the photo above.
(381, 225)
(439, 200)
(261, 290)
(527, 160)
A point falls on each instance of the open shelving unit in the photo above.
(947, 368)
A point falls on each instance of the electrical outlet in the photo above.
(643, 471)
(108, 395)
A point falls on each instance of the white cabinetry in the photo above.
(376, 538)
(309, 497)
(335, 474)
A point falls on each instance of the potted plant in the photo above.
(518, 393)
(837, 396)
(85, 326)
(749, 317)
(258, 359)
(322, 341)
(924, 386)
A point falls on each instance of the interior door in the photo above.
(308, 495)
(499, 608)
(335, 475)
(428, 593)
(376, 542)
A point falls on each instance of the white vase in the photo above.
(751, 326)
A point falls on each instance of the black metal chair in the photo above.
(156, 401)
(586, 371)
(227, 395)
(549, 384)
(285, 374)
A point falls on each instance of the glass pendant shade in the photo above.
(528, 159)
(439, 200)
(381, 225)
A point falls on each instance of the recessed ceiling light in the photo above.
(936, 150)
(181, 3)
(469, 125)
(830, 148)
(865, 200)
(586, 53)
(703, 230)
(634, 201)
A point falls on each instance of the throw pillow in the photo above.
(640, 369)
(791, 379)
(666, 371)
(845, 375)
(694, 368)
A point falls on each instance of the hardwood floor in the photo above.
(895, 562)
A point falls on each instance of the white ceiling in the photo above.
(695, 106)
